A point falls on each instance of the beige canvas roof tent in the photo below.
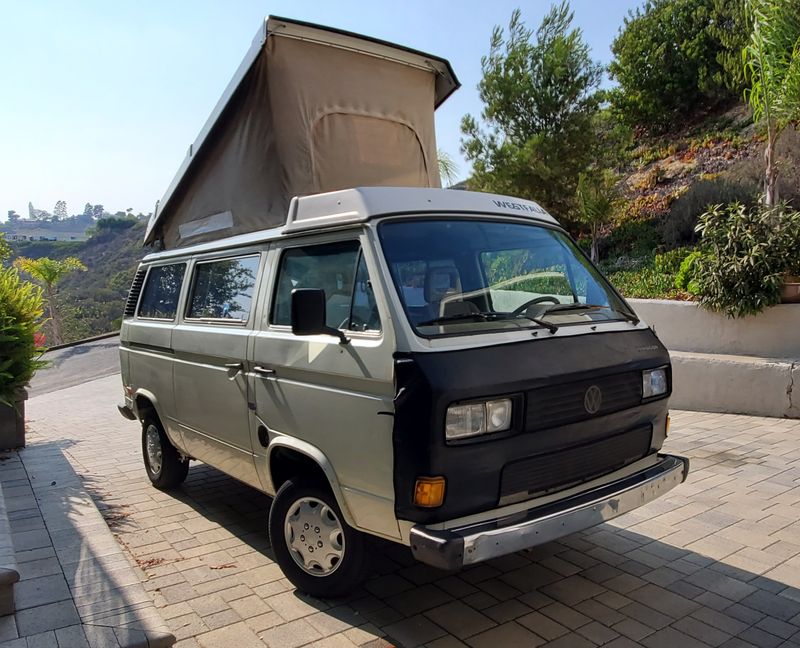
(310, 109)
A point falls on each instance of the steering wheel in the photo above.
(536, 300)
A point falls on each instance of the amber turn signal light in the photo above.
(429, 491)
(666, 430)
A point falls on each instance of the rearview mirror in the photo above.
(308, 314)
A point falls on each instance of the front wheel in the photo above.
(316, 549)
(163, 463)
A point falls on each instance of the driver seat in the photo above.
(443, 287)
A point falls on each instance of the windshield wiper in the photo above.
(549, 326)
(565, 307)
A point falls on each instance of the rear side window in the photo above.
(223, 290)
(161, 291)
(338, 269)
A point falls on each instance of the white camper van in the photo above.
(442, 369)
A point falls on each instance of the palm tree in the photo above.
(772, 64)
(448, 169)
(49, 273)
(595, 205)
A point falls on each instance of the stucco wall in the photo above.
(685, 326)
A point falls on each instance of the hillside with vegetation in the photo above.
(91, 302)
(681, 179)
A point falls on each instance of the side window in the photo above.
(223, 290)
(339, 270)
(364, 312)
(161, 292)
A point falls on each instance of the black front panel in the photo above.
(555, 470)
(555, 405)
(539, 371)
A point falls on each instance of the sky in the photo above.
(100, 100)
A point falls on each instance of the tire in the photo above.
(172, 470)
(342, 568)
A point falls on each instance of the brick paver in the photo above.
(714, 563)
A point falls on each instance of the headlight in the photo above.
(473, 419)
(654, 382)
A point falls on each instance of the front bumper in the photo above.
(126, 411)
(454, 548)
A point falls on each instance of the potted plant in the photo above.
(790, 293)
(21, 309)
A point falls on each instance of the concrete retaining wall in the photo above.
(735, 384)
(720, 364)
(685, 326)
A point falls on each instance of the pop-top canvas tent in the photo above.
(309, 110)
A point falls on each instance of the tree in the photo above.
(37, 214)
(539, 96)
(730, 27)
(772, 64)
(595, 200)
(98, 212)
(13, 217)
(49, 273)
(673, 57)
(60, 211)
(88, 210)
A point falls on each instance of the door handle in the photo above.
(263, 371)
(233, 369)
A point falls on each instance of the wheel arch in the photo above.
(287, 457)
(144, 403)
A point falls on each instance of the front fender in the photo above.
(318, 457)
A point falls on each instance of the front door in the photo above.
(336, 397)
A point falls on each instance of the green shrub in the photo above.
(644, 283)
(21, 308)
(5, 249)
(686, 279)
(670, 262)
(637, 239)
(748, 252)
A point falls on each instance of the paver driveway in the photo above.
(716, 562)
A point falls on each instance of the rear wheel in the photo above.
(316, 549)
(163, 463)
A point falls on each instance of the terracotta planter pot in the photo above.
(12, 423)
(791, 290)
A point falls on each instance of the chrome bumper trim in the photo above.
(454, 548)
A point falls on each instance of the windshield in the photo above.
(474, 276)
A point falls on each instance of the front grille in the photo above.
(562, 404)
(133, 293)
(574, 465)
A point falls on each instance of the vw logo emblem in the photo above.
(593, 399)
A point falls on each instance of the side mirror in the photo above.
(308, 314)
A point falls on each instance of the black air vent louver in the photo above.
(133, 293)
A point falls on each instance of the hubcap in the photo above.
(153, 446)
(314, 536)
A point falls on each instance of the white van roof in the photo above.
(349, 207)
